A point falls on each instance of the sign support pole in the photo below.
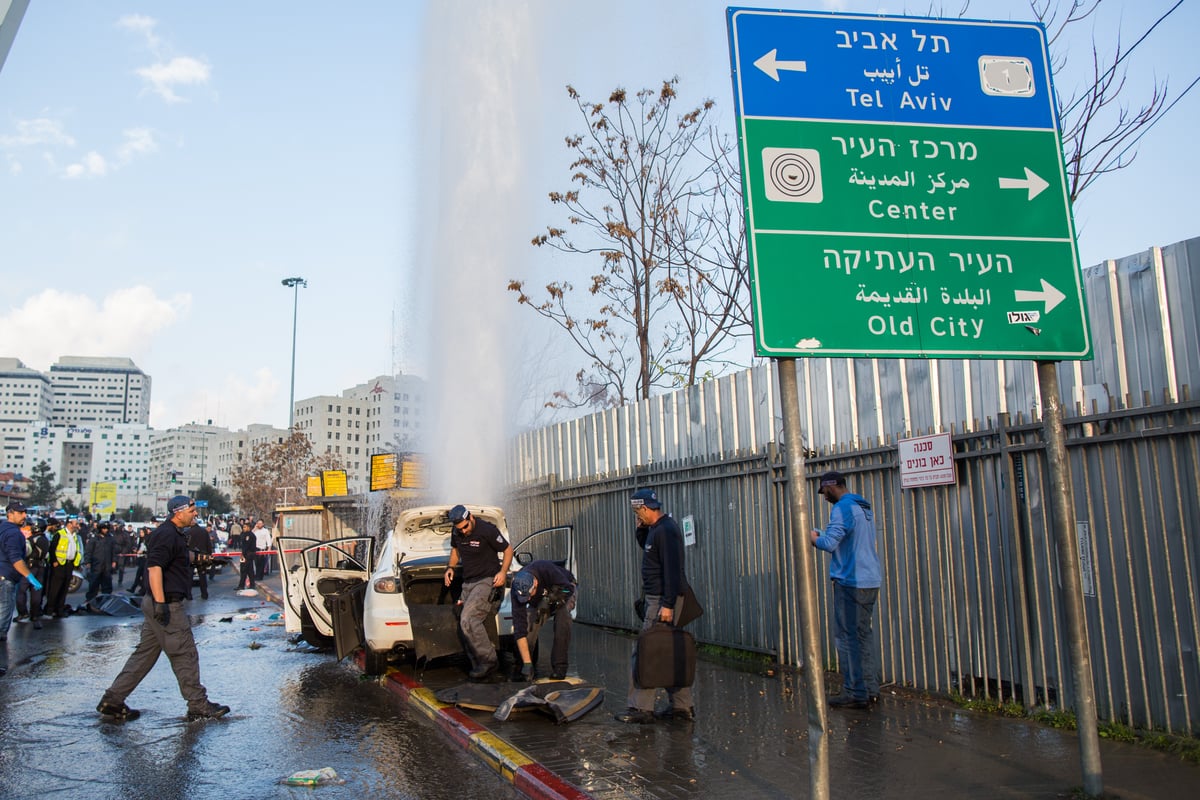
(1067, 542)
(814, 671)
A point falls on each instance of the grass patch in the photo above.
(734, 654)
(1186, 747)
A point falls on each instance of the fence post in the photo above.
(1067, 540)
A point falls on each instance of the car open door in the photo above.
(555, 544)
(334, 577)
(292, 573)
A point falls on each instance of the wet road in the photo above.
(292, 710)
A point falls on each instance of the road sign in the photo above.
(926, 461)
(905, 189)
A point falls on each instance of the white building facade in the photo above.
(82, 456)
(234, 447)
(25, 398)
(395, 413)
(98, 391)
(182, 460)
(337, 425)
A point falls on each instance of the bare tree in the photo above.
(1099, 125)
(274, 466)
(651, 203)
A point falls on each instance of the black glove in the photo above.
(527, 671)
(162, 614)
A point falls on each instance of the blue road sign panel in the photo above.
(940, 72)
(908, 172)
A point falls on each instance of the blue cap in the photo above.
(177, 502)
(458, 514)
(522, 586)
(645, 497)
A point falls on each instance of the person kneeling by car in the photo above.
(542, 590)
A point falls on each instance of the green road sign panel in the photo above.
(905, 189)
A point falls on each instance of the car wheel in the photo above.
(308, 629)
(375, 662)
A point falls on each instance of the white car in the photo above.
(397, 604)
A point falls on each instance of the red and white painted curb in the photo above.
(530, 778)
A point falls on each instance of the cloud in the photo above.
(162, 78)
(39, 131)
(50, 136)
(124, 323)
(165, 75)
(93, 165)
(141, 24)
(138, 142)
(235, 400)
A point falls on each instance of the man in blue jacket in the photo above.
(854, 570)
(12, 566)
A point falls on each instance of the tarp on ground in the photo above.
(564, 701)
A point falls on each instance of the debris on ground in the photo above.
(324, 776)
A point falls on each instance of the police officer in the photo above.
(200, 547)
(484, 555)
(12, 564)
(542, 590)
(123, 545)
(663, 583)
(66, 553)
(166, 628)
(101, 557)
(29, 592)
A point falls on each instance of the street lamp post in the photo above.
(294, 284)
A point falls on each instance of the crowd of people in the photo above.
(108, 551)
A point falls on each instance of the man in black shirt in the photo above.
(166, 628)
(100, 558)
(477, 545)
(663, 581)
(540, 591)
(201, 550)
(249, 545)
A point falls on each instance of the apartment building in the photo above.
(25, 398)
(98, 391)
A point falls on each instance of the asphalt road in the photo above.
(293, 709)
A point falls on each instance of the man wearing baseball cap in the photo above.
(542, 590)
(484, 554)
(12, 565)
(854, 570)
(663, 583)
(166, 628)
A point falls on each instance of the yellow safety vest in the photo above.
(64, 546)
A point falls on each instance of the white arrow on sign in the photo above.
(771, 66)
(1032, 181)
(1049, 295)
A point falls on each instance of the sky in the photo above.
(163, 166)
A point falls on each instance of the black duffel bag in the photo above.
(665, 657)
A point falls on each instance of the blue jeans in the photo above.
(852, 611)
(8, 600)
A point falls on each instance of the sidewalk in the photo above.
(750, 740)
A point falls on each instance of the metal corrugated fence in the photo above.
(970, 601)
